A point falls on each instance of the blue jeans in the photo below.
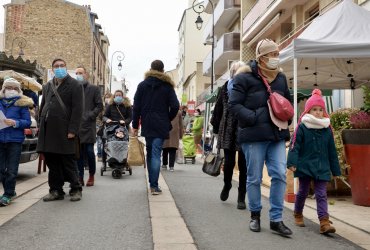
(10, 154)
(87, 153)
(274, 155)
(153, 159)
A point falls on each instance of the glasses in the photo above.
(59, 66)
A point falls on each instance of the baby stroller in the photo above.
(115, 149)
(189, 148)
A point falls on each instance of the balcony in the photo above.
(225, 13)
(226, 49)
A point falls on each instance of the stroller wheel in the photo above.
(116, 173)
(130, 171)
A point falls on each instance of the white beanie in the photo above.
(10, 82)
(265, 46)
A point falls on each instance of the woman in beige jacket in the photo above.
(171, 144)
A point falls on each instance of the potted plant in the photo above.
(355, 134)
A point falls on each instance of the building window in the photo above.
(312, 13)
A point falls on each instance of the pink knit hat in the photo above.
(314, 100)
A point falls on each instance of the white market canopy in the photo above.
(332, 52)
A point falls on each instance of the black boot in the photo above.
(241, 199)
(255, 224)
(225, 192)
(280, 228)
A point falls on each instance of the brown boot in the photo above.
(90, 181)
(325, 227)
(298, 217)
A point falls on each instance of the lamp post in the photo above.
(199, 23)
(21, 44)
(120, 58)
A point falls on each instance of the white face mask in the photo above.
(11, 93)
(273, 63)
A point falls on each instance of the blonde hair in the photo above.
(235, 66)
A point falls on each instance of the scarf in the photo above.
(311, 121)
(269, 74)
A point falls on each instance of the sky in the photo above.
(143, 30)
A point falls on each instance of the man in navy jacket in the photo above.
(155, 106)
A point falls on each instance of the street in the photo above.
(115, 214)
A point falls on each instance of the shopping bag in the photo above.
(136, 155)
(180, 153)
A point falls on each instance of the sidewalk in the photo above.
(351, 221)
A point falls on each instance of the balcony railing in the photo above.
(255, 13)
(229, 42)
(225, 12)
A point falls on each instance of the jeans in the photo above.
(87, 151)
(171, 154)
(320, 195)
(10, 154)
(153, 159)
(274, 155)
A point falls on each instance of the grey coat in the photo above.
(54, 124)
(93, 106)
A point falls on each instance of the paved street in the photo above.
(115, 215)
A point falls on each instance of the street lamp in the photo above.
(199, 23)
(120, 58)
(21, 44)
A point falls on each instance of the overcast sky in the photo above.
(144, 30)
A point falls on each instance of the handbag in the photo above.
(280, 106)
(76, 138)
(212, 164)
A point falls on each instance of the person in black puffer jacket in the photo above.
(261, 140)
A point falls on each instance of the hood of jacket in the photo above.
(251, 67)
(24, 101)
(126, 102)
(159, 75)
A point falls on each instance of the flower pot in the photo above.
(357, 150)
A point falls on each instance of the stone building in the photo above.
(57, 28)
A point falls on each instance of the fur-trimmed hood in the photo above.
(161, 76)
(24, 101)
(126, 101)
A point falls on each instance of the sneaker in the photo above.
(53, 196)
(171, 169)
(164, 166)
(76, 195)
(4, 201)
(156, 191)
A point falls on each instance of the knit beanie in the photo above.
(264, 47)
(10, 82)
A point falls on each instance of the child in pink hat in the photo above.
(313, 157)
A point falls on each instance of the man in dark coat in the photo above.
(93, 106)
(59, 125)
(155, 106)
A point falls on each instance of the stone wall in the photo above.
(52, 28)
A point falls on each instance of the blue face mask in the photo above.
(118, 99)
(60, 73)
(79, 78)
